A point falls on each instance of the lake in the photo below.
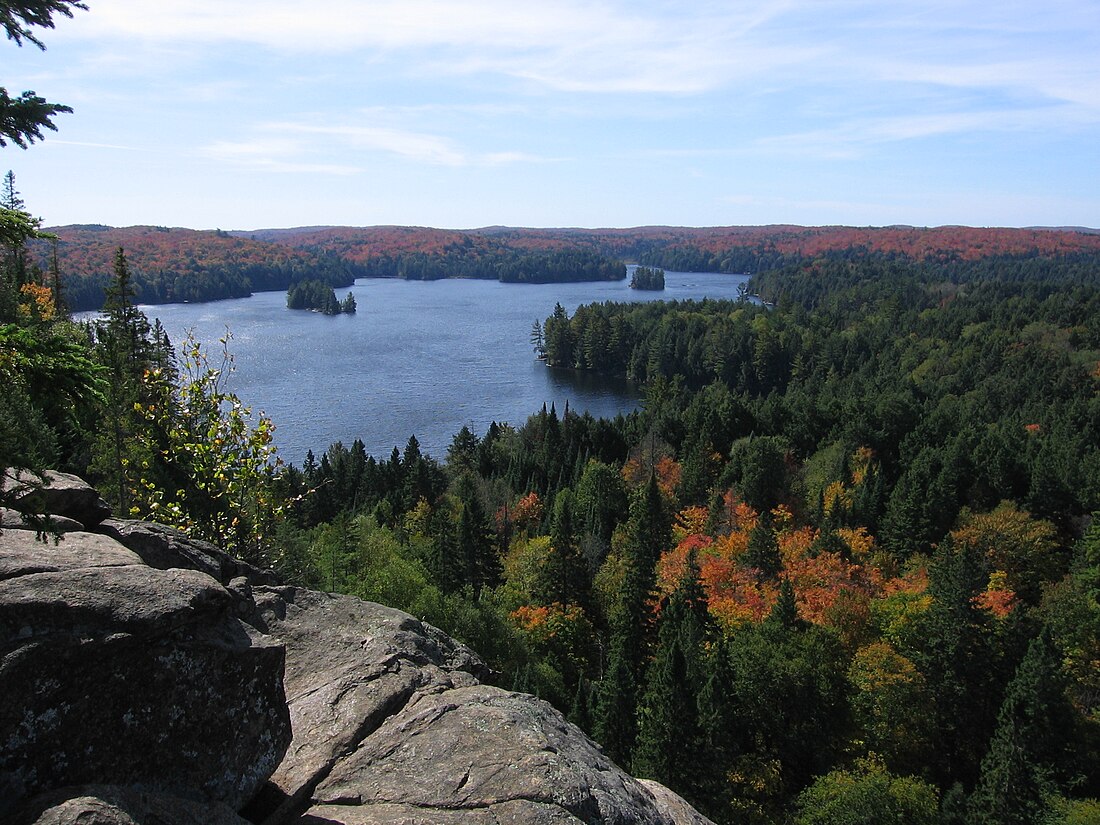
(419, 357)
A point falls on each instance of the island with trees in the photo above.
(648, 278)
(318, 296)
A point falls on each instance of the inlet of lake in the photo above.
(419, 358)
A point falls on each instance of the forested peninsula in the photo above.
(844, 559)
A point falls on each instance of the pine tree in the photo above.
(785, 611)
(565, 577)
(125, 349)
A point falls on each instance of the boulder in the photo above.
(165, 548)
(47, 525)
(58, 494)
(117, 673)
(391, 724)
(22, 554)
(114, 805)
(487, 751)
(350, 665)
(155, 679)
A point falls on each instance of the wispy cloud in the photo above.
(560, 44)
(272, 155)
(292, 147)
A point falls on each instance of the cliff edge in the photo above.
(148, 677)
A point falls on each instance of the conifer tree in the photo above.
(23, 117)
(763, 550)
(955, 657)
(616, 723)
(565, 578)
(124, 347)
(670, 741)
(1033, 726)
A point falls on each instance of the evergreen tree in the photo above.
(125, 348)
(616, 721)
(953, 652)
(763, 550)
(670, 747)
(1019, 770)
(22, 118)
(564, 577)
(785, 611)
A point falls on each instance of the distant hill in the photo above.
(172, 264)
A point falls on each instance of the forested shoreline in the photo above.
(173, 265)
(843, 558)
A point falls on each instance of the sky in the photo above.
(241, 114)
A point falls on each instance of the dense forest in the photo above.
(841, 567)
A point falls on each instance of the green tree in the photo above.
(1019, 771)
(564, 577)
(890, 703)
(867, 796)
(954, 652)
(763, 550)
(217, 465)
(124, 345)
(670, 747)
(23, 117)
(649, 532)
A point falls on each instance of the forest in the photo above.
(840, 567)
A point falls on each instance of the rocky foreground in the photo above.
(147, 678)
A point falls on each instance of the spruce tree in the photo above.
(564, 577)
(670, 741)
(125, 349)
(763, 550)
(1019, 771)
(954, 654)
(649, 529)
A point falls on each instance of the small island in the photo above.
(318, 297)
(646, 277)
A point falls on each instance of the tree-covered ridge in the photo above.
(171, 265)
(318, 296)
(755, 249)
(186, 265)
(706, 249)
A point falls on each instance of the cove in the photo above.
(419, 358)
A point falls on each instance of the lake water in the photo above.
(419, 358)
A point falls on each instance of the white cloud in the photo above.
(272, 155)
(288, 146)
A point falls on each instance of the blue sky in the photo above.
(242, 114)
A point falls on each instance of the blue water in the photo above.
(419, 358)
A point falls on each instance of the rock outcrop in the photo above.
(67, 497)
(148, 677)
(117, 673)
(114, 805)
